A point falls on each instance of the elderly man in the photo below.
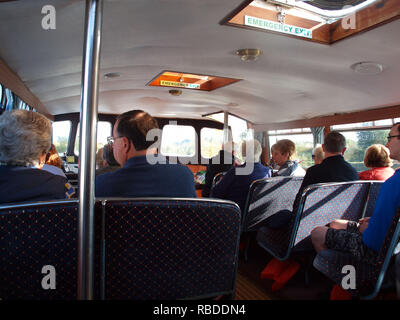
(235, 186)
(364, 239)
(25, 139)
(137, 177)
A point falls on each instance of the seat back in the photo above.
(33, 236)
(268, 196)
(373, 192)
(170, 248)
(320, 204)
(369, 278)
(325, 202)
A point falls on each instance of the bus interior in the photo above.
(262, 69)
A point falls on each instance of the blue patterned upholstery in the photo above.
(35, 235)
(369, 278)
(170, 249)
(372, 196)
(268, 196)
(320, 204)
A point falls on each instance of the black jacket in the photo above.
(222, 162)
(332, 169)
(20, 184)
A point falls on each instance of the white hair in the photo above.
(318, 152)
(24, 136)
(254, 147)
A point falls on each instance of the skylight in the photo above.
(184, 80)
(323, 21)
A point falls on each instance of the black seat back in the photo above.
(170, 248)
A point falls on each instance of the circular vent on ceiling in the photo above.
(367, 68)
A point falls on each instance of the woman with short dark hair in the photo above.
(377, 158)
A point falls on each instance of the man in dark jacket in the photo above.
(222, 162)
(138, 176)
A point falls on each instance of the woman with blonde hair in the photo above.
(283, 154)
(377, 158)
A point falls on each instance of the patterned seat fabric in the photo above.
(268, 196)
(31, 237)
(323, 203)
(372, 196)
(170, 249)
(331, 262)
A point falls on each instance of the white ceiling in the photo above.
(293, 79)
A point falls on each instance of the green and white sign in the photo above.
(180, 84)
(278, 27)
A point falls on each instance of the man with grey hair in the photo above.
(25, 139)
(235, 186)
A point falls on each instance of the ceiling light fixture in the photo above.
(175, 92)
(367, 68)
(248, 54)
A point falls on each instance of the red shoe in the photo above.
(273, 269)
(338, 293)
(286, 275)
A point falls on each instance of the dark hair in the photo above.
(135, 125)
(108, 156)
(398, 128)
(334, 142)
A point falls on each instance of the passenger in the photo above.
(25, 138)
(222, 162)
(377, 157)
(137, 177)
(332, 169)
(364, 239)
(318, 154)
(283, 152)
(235, 187)
(52, 162)
(109, 162)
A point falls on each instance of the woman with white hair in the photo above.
(318, 154)
(25, 139)
(236, 182)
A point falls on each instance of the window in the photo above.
(211, 142)
(240, 132)
(358, 142)
(178, 141)
(304, 145)
(61, 130)
(103, 131)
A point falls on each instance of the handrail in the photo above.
(89, 100)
